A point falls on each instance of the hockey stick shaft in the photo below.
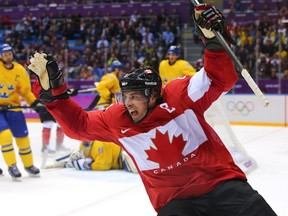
(63, 157)
(74, 92)
(71, 92)
(86, 90)
(90, 106)
(239, 67)
(93, 103)
(16, 107)
(61, 164)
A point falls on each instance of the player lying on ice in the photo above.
(183, 164)
(96, 155)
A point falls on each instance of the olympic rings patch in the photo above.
(244, 108)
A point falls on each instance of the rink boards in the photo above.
(241, 109)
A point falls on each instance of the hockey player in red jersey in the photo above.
(183, 164)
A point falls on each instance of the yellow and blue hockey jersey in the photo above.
(105, 155)
(179, 69)
(107, 88)
(14, 83)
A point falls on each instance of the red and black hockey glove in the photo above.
(208, 18)
(50, 77)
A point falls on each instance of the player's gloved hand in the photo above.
(76, 154)
(208, 18)
(39, 106)
(127, 163)
(38, 66)
(82, 164)
(50, 77)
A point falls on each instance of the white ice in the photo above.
(68, 192)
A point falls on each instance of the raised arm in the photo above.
(220, 68)
(76, 122)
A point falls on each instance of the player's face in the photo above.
(136, 104)
(121, 73)
(172, 57)
(7, 57)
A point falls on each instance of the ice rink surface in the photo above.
(68, 192)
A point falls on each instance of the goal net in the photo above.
(217, 118)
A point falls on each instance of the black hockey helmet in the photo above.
(143, 79)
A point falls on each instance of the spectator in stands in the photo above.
(285, 73)
(283, 12)
(151, 59)
(19, 28)
(250, 63)
(148, 38)
(68, 31)
(264, 67)
(270, 35)
(127, 44)
(268, 48)
(251, 8)
(102, 42)
(238, 5)
(168, 37)
(85, 73)
(242, 54)
(111, 59)
(176, 31)
(275, 61)
(134, 17)
(97, 71)
(141, 28)
(264, 24)
(273, 73)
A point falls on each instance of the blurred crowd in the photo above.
(250, 6)
(262, 44)
(86, 46)
(262, 48)
(54, 3)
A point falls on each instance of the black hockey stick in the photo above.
(16, 107)
(74, 92)
(239, 67)
(89, 108)
(93, 103)
(63, 157)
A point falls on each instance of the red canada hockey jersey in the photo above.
(178, 155)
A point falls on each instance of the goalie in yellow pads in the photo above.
(97, 155)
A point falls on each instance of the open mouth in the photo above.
(133, 113)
